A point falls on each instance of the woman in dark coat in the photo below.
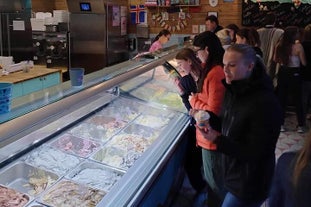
(251, 120)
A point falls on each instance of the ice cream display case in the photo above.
(119, 142)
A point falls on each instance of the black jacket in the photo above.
(251, 120)
(306, 71)
(189, 86)
(283, 193)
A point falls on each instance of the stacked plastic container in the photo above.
(5, 97)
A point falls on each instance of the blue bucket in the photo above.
(5, 90)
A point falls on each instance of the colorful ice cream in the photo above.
(38, 181)
(97, 178)
(110, 124)
(75, 145)
(67, 194)
(12, 198)
(53, 160)
(117, 157)
(152, 121)
(90, 131)
(130, 142)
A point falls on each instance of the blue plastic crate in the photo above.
(5, 90)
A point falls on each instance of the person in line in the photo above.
(269, 35)
(158, 42)
(212, 24)
(189, 67)
(306, 71)
(251, 120)
(233, 28)
(209, 97)
(292, 178)
(249, 36)
(290, 55)
(224, 37)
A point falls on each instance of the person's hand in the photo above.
(179, 87)
(208, 132)
(203, 54)
(192, 112)
(192, 96)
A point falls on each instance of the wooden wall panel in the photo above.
(61, 5)
(43, 5)
(228, 12)
(48, 5)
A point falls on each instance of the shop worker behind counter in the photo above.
(158, 42)
(212, 24)
(251, 120)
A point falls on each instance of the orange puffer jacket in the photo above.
(210, 99)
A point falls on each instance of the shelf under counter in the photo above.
(36, 79)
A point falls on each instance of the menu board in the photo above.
(253, 13)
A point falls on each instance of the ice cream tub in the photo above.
(92, 131)
(141, 130)
(27, 179)
(75, 145)
(124, 111)
(116, 157)
(13, 198)
(111, 124)
(156, 122)
(69, 193)
(96, 175)
(51, 159)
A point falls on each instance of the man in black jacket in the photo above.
(251, 120)
(212, 24)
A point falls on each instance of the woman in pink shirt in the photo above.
(158, 42)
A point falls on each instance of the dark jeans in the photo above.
(193, 162)
(233, 201)
(290, 84)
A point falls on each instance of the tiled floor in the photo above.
(288, 141)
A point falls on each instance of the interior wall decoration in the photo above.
(288, 12)
(138, 14)
(172, 21)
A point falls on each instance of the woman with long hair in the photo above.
(189, 66)
(306, 71)
(249, 36)
(158, 42)
(292, 178)
(209, 97)
(289, 53)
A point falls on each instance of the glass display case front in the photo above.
(103, 149)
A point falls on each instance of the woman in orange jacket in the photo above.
(209, 97)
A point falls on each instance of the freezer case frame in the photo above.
(138, 179)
